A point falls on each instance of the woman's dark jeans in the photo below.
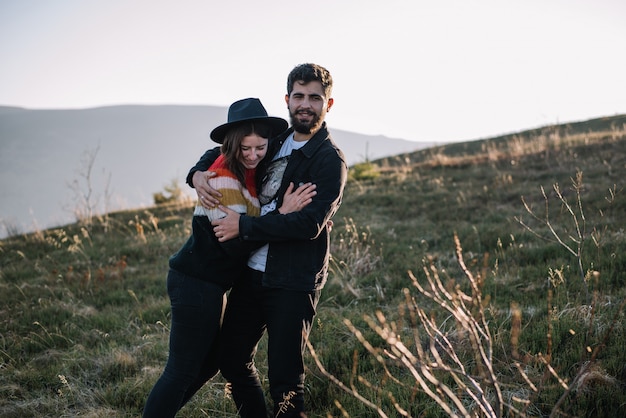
(197, 308)
(287, 317)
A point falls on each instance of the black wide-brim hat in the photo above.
(248, 110)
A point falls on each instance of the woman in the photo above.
(204, 269)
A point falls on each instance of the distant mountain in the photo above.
(139, 149)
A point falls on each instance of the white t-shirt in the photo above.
(267, 196)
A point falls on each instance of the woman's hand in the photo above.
(295, 200)
(208, 196)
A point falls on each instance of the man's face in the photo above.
(307, 106)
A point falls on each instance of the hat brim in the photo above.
(277, 126)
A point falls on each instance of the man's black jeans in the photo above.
(287, 316)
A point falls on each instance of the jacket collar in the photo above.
(312, 144)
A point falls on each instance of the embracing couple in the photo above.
(261, 230)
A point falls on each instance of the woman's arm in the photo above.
(295, 200)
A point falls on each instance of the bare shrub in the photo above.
(452, 364)
(87, 202)
(352, 256)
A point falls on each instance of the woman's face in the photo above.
(253, 148)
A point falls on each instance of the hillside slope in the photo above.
(86, 314)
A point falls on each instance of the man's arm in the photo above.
(227, 228)
(232, 247)
(330, 179)
(329, 176)
(198, 178)
(203, 164)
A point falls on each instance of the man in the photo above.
(281, 288)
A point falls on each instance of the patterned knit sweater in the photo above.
(236, 196)
(203, 256)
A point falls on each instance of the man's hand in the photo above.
(228, 227)
(208, 196)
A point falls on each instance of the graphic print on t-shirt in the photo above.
(272, 180)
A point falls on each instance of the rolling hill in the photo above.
(135, 150)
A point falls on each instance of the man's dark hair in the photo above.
(305, 73)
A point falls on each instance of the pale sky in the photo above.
(440, 70)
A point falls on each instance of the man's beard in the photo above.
(305, 127)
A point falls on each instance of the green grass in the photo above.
(85, 314)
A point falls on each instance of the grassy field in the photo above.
(484, 278)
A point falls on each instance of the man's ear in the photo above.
(330, 103)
